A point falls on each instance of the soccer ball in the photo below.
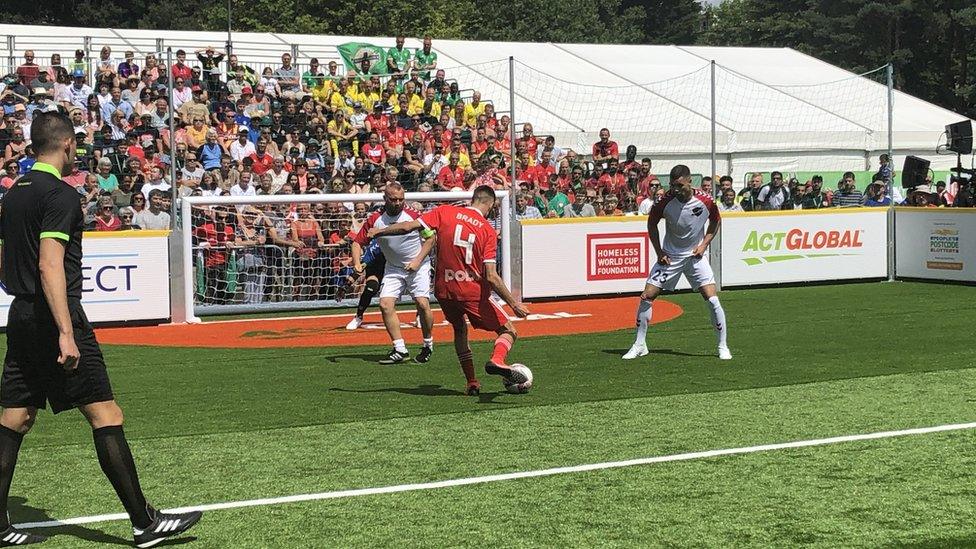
(522, 382)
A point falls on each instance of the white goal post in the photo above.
(214, 276)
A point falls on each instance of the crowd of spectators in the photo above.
(288, 131)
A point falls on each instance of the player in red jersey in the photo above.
(466, 276)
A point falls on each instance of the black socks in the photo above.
(117, 464)
(9, 448)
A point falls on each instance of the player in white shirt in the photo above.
(691, 221)
(407, 269)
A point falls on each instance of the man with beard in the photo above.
(408, 269)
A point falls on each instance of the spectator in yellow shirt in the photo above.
(369, 95)
(473, 110)
(430, 108)
(341, 133)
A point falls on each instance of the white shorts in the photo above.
(398, 281)
(697, 270)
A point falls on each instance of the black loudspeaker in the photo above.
(961, 137)
(914, 172)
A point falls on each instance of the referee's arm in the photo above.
(54, 285)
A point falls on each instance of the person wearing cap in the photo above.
(79, 91)
(40, 99)
(42, 81)
(196, 107)
(128, 67)
(875, 197)
(242, 147)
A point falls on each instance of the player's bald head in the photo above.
(393, 197)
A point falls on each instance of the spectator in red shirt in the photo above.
(479, 144)
(612, 180)
(604, 149)
(28, 71)
(630, 162)
(452, 175)
(373, 153)
(105, 219)
(180, 68)
(377, 121)
(261, 160)
(647, 179)
(529, 140)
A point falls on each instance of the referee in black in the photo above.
(52, 355)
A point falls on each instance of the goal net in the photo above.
(290, 252)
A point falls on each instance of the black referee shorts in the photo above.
(376, 267)
(31, 373)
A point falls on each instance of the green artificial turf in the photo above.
(221, 425)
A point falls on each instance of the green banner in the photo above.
(353, 54)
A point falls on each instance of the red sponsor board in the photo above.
(617, 256)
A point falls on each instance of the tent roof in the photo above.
(767, 98)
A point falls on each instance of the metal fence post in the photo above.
(12, 55)
(515, 242)
(891, 159)
(715, 248)
(86, 44)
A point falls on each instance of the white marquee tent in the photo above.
(774, 108)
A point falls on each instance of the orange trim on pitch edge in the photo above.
(547, 319)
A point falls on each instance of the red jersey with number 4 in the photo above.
(466, 242)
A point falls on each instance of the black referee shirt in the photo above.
(40, 205)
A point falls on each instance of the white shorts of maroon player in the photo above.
(398, 281)
(696, 269)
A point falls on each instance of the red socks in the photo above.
(502, 346)
(467, 365)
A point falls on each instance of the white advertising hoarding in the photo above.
(804, 245)
(936, 243)
(126, 277)
(613, 255)
(602, 255)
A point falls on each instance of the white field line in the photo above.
(518, 475)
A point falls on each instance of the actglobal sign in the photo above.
(798, 239)
(800, 244)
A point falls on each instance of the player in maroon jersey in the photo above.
(465, 278)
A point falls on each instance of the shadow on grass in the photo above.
(672, 352)
(20, 512)
(366, 357)
(423, 390)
